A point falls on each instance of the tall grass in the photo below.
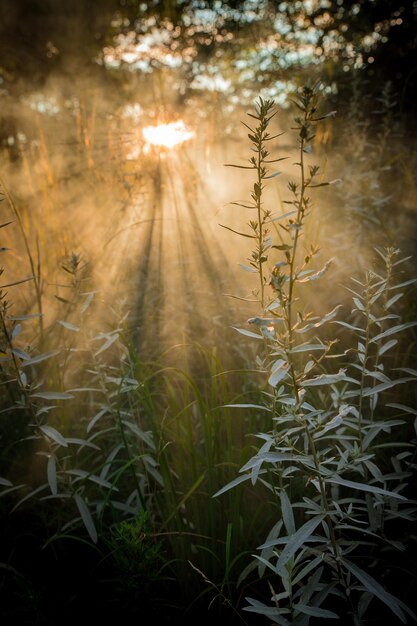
(110, 458)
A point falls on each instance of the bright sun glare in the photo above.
(167, 135)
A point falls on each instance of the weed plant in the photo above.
(338, 457)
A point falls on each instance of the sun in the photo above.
(167, 135)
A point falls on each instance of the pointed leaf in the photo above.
(387, 346)
(106, 345)
(41, 357)
(393, 330)
(246, 406)
(144, 436)
(252, 270)
(232, 484)
(248, 333)
(297, 540)
(324, 379)
(318, 274)
(279, 372)
(308, 347)
(375, 588)
(86, 517)
(53, 434)
(314, 611)
(364, 487)
(87, 301)
(51, 473)
(96, 417)
(69, 326)
(238, 232)
(51, 395)
(287, 513)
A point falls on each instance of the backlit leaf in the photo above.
(52, 395)
(40, 358)
(54, 434)
(86, 517)
(393, 330)
(248, 333)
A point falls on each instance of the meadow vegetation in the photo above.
(254, 473)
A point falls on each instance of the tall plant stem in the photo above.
(260, 227)
(289, 322)
(35, 269)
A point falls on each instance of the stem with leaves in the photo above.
(259, 136)
(34, 266)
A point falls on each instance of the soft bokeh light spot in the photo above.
(167, 135)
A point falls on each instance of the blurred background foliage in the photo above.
(39, 38)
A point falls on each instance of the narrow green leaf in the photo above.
(324, 379)
(404, 284)
(106, 345)
(17, 282)
(252, 270)
(318, 274)
(21, 354)
(232, 484)
(238, 232)
(54, 434)
(40, 358)
(241, 167)
(274, 613)
(349, 326)
(329, 316)
(307, 569)
(375, 588)
(403, 407)
(28, 495)
(21, 318)
(370, 391)
(282, 217)
(302, 535)
(86, 517)
(314, 611)
(248, 333)
(52, 395)
(145, 436)
(69, 326)
(88, 300)
(308, 347)
(394, 299)
(51, 473)
(393, 330)
(246, 406)
(337, 480)
(269, 550)
(96, 417)
(84, 475)
(390, 344)
(279, 372)
(287, 513)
